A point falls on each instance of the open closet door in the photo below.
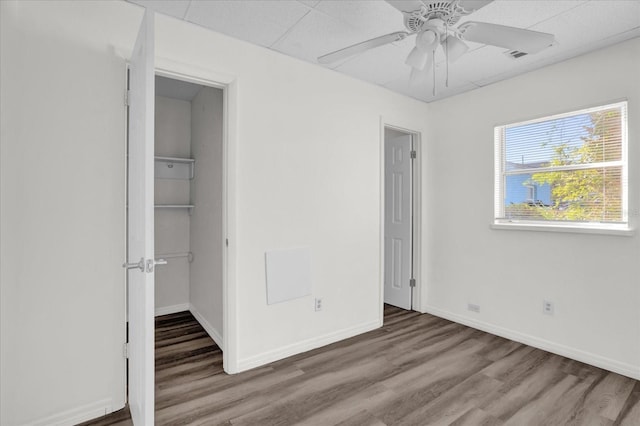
(140, 226)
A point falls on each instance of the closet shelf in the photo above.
(175, 206)
(176, 159)
(188, 255)
(174, 168)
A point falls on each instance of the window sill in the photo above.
(619, 230)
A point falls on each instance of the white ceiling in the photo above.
(306, 29)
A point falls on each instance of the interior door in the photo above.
(398, 222)
(140, 226)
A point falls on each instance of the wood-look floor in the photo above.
(416, 370)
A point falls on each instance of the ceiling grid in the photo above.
(308, 29)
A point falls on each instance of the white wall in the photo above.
(592, 279)
(207, 240)
(172, 139)
(62, 287)
(308, 173)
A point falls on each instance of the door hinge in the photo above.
(125, 350)
(412, 282)
(226, 242)
(127, 98)
(413, 154)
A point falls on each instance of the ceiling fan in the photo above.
(432, 23)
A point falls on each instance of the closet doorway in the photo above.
(189, 201)
(177, 176)
(187, 174)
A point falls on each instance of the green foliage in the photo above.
(587, 194)
(526, 211)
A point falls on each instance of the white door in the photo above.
(397, 222)
(140, 226)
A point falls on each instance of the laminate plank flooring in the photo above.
(417, 369)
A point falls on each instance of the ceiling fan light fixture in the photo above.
(455, 48)
(427, 40)
(417, 59)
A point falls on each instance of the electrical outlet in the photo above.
(547, 307)
(473, 307)
(318, 304)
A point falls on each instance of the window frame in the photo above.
(500, 177)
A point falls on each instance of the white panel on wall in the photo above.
(288, 274)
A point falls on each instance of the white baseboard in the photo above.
(166, 310)
(305, 345)
(211, 331)
(77, 415)
(625, 369)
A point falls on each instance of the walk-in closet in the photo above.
(189, 201)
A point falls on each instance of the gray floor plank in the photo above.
(415, 370)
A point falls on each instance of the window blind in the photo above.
(565, 168)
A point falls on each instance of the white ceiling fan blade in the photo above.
(508, 37)
(362, 47)
(473, 5)
(406, 5)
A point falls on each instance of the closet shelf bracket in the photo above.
(174, 168)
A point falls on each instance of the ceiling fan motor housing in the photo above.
(447, 11)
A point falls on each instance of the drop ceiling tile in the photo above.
(588, 26)
(310, 3)
(592, 21)
(424, 91)
(521, 13)
(375, 17)
(505, 73)
(573, 29)
(261, 22)
(591, 26)
(175, 8)
(318, 34)
(378, 66)
(486, 62)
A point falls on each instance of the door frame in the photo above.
(228, 84)
(416, 203)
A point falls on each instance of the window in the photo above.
(568, 169)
